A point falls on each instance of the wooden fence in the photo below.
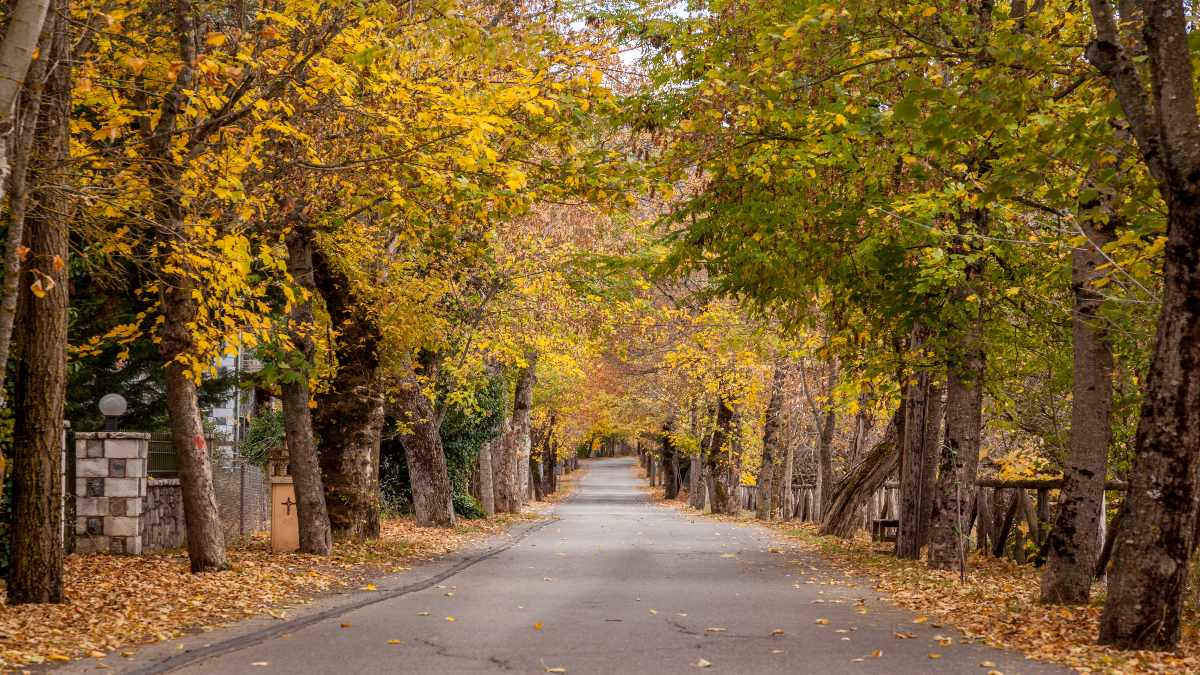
(1008, 518)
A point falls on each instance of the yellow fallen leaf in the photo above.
(934, 655)
(777, 632)
(58, 657)
(555, 669)
(345, 625)
(702, 663)
(714, 629)
(370, 587)
(822, 622)
(654, 611)
(538, 625)
(394, 642)
(450, 618)
(877, 653)
(261, 663)
(921, 619)
(987, 664)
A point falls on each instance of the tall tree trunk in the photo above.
(1144, 604)
(670, 467)
(917, 463)
(25, 125)
(824, 422)
(178, 312)
(487, 485)
(1146, 588)
(16, 54)
(696, 483)
(857, 486)
(205, 537)
(516, 443)
(772, 456)
(825, 461)
(954, 492)
(36, 564)
(348, 419)
(550, 461)
(1074, 542)
(312, 517)
(722, 495)
(433, 495)
(958, 457)
(930, 454)
(785, 495)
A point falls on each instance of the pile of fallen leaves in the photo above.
(116, 602)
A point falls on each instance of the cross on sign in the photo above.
(288, 504)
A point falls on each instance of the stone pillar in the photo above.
(110, 490)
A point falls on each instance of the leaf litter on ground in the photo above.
(120, 601)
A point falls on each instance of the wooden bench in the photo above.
(885, 529)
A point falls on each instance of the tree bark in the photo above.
(432, 493)
(550, 457)
(930, 454)
(670, 469)
(1074, 543)
(771, 455)
(348, 419)
(958, 461)
(917, 463)
(487, 485)
(1144, 604)
(824, 422)
(36, 564)
(958, 457)
(842, 518)
(722, 491)
(316, 536)
(16, 54)
(696, 482)
(178, 312)
(515, 446)
(20, 146)
(825, 461)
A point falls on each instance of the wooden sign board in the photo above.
(285, 526)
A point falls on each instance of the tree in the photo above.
(311, 514)
(1150, 561)
(36, 569)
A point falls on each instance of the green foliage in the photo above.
(465, 428)
(266, 434)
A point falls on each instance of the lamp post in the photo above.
(112, 406)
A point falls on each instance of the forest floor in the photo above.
(996, 604)
(125, 602)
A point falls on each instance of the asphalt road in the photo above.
(615, 585)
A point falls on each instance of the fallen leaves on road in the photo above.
(997, 605)
(113, 601)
